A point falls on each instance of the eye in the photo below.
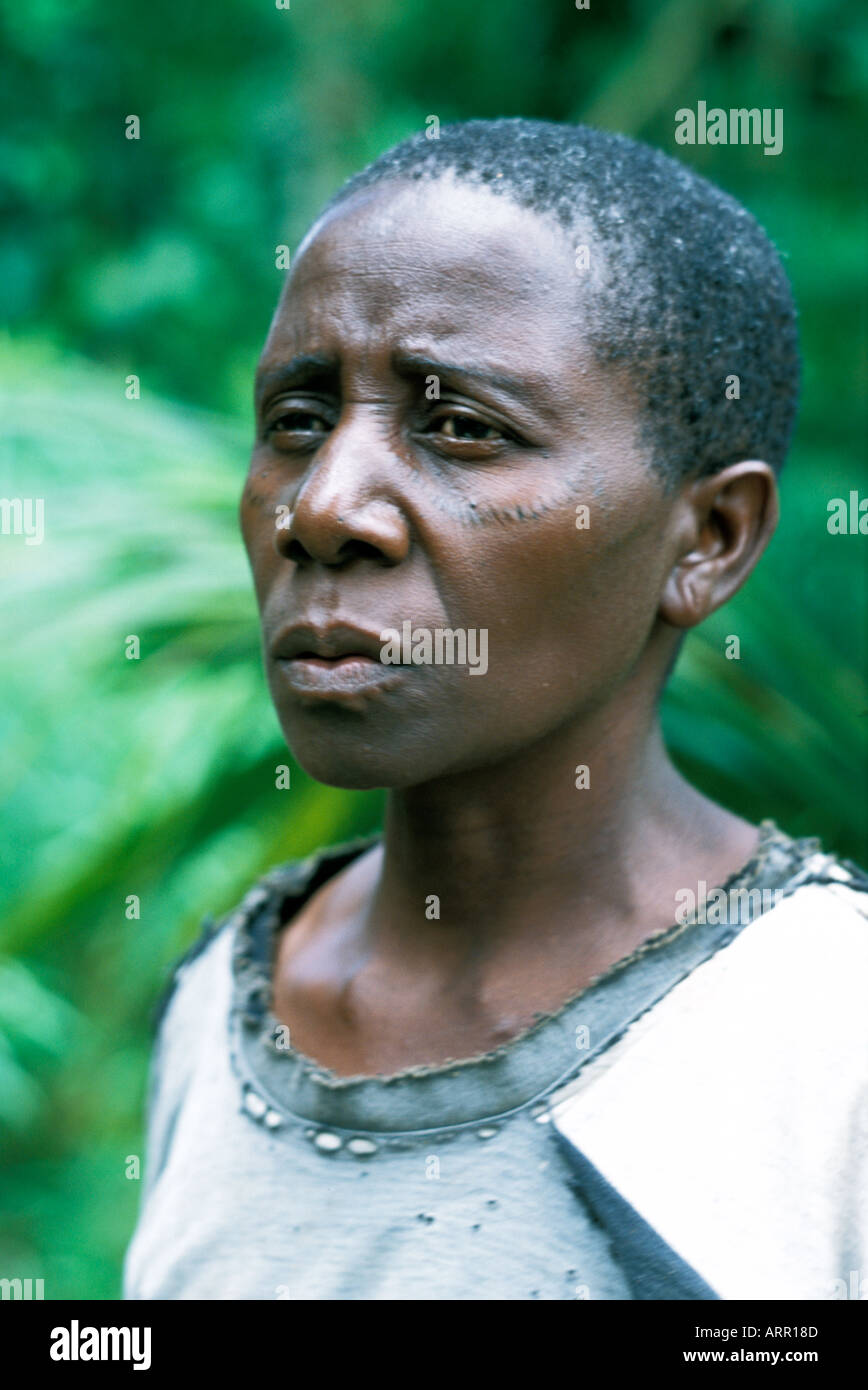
(464, 428)
(298, 421)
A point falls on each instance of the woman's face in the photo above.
(371, 501)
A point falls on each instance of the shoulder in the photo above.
(827, 891)
(771, 1025)
(273, 896)
(212, 930)
(812, 933)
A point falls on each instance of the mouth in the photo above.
(337, 661)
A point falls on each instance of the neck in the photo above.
(509, 846)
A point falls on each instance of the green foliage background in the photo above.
(156, 257)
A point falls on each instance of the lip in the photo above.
(328, 643)
(337, 661)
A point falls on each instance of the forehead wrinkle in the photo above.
(443, 289)
(498, 243)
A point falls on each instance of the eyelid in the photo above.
(301, 405)
(445, 408)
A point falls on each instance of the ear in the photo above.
(722, 524)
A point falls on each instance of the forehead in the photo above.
(440, 264)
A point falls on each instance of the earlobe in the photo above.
(683, 602)
(726, 521)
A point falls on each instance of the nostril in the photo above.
(359, 550)
(296, 552)
(350, 550)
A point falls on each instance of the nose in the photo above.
(346, 506)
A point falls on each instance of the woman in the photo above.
(526, 393)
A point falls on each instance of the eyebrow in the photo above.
(525, 387)
(308, 367)
(299, 371)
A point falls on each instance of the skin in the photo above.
(461, 513)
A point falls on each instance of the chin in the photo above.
(356, 761)
(339, 758)
(349, 777)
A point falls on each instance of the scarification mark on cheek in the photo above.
(479, 513)
(258, 501)
(503, 515)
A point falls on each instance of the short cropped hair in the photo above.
(691, 292)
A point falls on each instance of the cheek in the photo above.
(257, 515)
(260, 487)
(567, 610)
